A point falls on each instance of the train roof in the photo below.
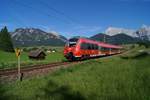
(109, 45)
(102, 44)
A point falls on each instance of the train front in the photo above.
(70, 48)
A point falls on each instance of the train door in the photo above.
(100, 50)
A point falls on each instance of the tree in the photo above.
(5, 40)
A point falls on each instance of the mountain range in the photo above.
(116, 35)
(113, 35)
(36, 37)
(120, 38)
(142, 33)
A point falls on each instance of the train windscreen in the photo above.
(72, 42)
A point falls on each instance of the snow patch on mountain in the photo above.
(144, 32)
(114, 31)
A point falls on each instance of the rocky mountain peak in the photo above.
(36, 36)
(144, 32)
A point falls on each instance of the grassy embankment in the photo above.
(114, 78)
(9, 60)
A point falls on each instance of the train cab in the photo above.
(70, 49)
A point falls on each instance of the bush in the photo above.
(146, 44)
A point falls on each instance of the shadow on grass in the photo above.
(53, 91)
(137, 56)
(142, 73)
(4, 95)
(140, 55)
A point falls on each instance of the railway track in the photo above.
(11, 72)
(7, 72)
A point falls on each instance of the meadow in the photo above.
(9, 60)
(110, 78)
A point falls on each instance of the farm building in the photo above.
(37, 55)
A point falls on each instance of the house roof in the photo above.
(36, 53)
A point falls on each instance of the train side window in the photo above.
(106, 49)
(93, 46)
(83, 46)
(88, 46)
(113, 49)
(102, 48)
(96, 47)
(99, 47)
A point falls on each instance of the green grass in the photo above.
(9, 60)
(111, 78)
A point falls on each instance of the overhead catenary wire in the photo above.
(14, 16)
(68, 19)
(58, 12)
(16, 2)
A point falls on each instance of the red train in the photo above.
(82, 48)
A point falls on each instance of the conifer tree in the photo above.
(5, 40)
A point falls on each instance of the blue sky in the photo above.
(74, 17)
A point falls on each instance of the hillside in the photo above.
(100, 37)
(36, 37)
(123, 39)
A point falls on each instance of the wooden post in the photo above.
(19, 67)
(18, 52)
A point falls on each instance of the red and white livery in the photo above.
(82, 48)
